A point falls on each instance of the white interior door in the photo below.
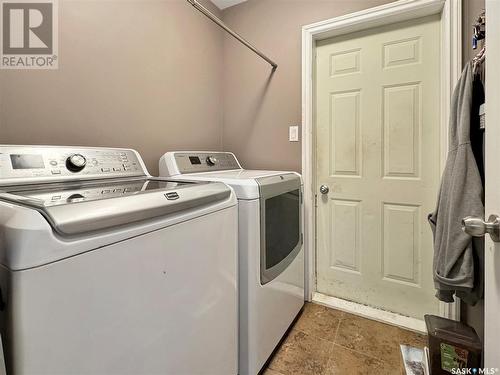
(492, 166)
(378, 147)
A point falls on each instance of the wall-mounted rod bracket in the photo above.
(235, 35)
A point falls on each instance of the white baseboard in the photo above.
(383, 316)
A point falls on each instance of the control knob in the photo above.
(76, 162)
(211, 160)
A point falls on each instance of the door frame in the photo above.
(491, 249)
(451, 67)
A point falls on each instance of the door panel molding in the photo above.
(401, 160)
(346, 128)
(451, 66)
(345, 215)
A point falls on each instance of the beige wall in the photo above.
(156, 75)
(133, 73)
(259, 108)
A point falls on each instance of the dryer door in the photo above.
(280, 223)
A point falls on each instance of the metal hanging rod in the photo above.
(235, 35)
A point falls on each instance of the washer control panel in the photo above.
(24, 164)
(193, 162)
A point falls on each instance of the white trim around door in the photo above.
(451, 66)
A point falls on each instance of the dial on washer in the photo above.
(211, 160)
(76, 162)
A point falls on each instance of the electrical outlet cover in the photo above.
(293, 134)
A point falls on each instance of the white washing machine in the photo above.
(271, 256)
(101, 273)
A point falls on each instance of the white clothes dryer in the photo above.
(271, 256)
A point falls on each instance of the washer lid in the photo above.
(78, 207)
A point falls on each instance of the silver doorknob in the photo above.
(323, 189)
(477, 227)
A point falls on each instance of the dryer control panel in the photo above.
(196, 161)
(37, 164)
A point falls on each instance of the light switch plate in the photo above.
(293, 134)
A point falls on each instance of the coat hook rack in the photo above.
(479, 29)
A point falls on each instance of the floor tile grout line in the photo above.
(399, 330)
(344, 315)
(312, 336)
(367, 355)
(380, 361)
(330, 356)
(276, 371)
(317, 337)
(338, 327)
(362, 353)
(330, 349)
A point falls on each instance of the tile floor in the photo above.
(330, 342)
